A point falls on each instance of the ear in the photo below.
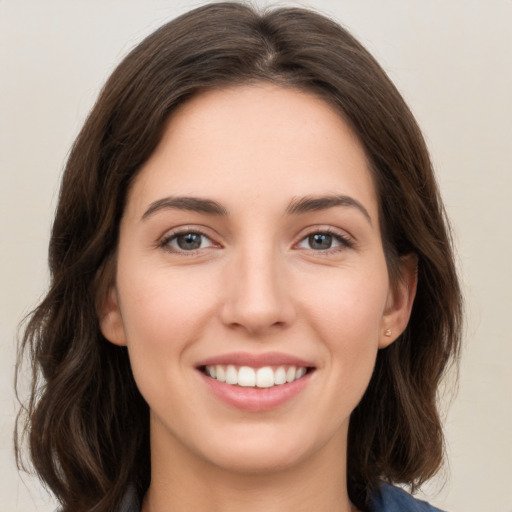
(400, 300)
(111, 321)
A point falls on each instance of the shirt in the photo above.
(388, 499)
(394, 499)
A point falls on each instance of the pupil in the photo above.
(189, 241)
(320, 241)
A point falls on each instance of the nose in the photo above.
(257, 294)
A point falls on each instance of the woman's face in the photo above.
(250, 250)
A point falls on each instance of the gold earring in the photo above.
(387, 332)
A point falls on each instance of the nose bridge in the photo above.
(257, 296)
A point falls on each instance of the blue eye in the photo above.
(189, 241)
(323, 241)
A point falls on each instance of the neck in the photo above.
(182, 482)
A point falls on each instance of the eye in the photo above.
(187, 241)
(323, 241)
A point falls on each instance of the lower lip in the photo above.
(256, 399)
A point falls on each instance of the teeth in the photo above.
(220, 374)
(290, 374)
(246, 377)
(280, 376)
(300, 373)
(231, 375)
(265, 377)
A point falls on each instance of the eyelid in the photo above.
(345, 239)
(163, 241)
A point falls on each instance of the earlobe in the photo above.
(111, 321)
(400, 300)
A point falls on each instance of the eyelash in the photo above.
(165, 242)
(344, 241)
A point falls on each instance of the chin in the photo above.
(261, 452)
(255, 461)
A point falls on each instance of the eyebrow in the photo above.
(193, 204)
(317, 203)
(297, 206)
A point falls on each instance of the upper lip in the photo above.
(256, 360)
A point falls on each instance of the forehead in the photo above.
(256, 141)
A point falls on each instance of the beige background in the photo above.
(452, 60)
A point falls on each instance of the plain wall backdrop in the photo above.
(452, 61)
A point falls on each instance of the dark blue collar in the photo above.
(387, 499)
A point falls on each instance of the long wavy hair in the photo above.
(86, 424)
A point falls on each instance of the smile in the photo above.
(246, 376)
(256, 382)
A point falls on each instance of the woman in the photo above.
(253, 294)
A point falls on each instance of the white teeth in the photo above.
(280, 376)
(264, 377)
(300, 373)
(246, 377)
(220, 374)
(231, 375)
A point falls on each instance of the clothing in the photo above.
(394, 499)
(388, 499)
(130, 501)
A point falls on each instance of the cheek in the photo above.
(163, 302)
(163, 313)
(348, 304)
(346, 312)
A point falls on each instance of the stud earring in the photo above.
(387, 332)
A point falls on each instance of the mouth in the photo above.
(256, 382)
(256, 377)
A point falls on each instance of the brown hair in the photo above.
(86, 422)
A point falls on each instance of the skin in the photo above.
(256, 285)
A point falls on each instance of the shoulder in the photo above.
(387, 499)
(394, 499)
